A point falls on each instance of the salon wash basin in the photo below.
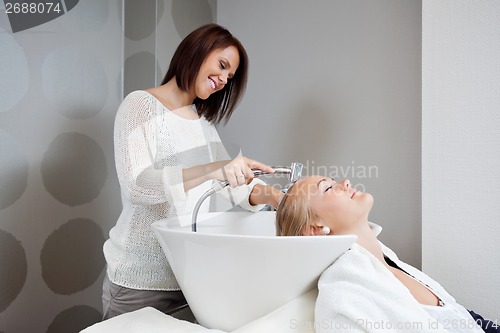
(234, 269)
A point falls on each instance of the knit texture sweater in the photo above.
(152, 147)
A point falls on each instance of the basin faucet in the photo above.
(294, 172)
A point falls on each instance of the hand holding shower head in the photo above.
(294, 173)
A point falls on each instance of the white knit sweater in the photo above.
(152, 147)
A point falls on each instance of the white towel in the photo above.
(358, 294)
(296, 316)
(146, 320)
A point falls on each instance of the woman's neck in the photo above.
(368, 240)
(170, 95)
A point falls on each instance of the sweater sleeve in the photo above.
(241, 195)
(238, 196)
(135, 150)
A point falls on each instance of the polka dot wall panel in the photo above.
(61, 85)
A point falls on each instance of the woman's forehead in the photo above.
(311, 179)
(308, 184)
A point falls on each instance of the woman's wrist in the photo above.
(199, 174)
(265, 194)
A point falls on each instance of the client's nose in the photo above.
(346, 184)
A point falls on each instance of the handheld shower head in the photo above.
(294, 171)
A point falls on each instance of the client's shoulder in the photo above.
(352, 263)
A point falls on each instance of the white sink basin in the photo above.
(234, 269)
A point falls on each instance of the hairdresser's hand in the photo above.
(239, 171)
(265, 194)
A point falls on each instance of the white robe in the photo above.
(357, 293)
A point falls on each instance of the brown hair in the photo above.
(293, 215)
(186, 63)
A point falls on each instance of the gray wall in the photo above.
(153, 29)
(336, 85)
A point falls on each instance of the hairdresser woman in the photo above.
(167, 154)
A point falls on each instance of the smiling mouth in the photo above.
(212, 83)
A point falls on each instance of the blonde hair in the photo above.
(293, 214)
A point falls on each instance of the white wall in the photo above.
(336, 85)
(461, 150)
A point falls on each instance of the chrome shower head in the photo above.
(294, 171)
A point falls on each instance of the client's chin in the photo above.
(366, 199)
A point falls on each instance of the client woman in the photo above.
(367, 289)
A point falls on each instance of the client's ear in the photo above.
(315, 230)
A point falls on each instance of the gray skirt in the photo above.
(117, 300)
